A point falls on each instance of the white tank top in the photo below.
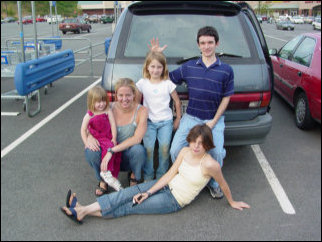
(188, 183)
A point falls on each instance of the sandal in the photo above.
(132, 181)
(101, 189)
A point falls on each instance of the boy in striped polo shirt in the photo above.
(210, 84)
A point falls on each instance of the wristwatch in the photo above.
(149, 194)
(110, 150)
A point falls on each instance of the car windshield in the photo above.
(70, 21)
(175, 30)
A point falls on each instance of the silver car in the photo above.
(176, 23)
(285, 25)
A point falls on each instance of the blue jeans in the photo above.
(163, 131)
(186, 124)
(118, 204)
(133, 159)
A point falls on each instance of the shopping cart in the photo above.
(11, 55)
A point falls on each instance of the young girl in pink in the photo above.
(99, 122)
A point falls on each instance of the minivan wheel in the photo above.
(303, 117)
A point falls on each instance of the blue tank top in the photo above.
(126, 131)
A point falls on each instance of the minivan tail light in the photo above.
(111, 96)
(249, 100)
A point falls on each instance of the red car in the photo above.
(297, 77)
(74, 25)
(26, 20)
(41, 19)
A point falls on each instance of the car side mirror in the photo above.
(273, 51)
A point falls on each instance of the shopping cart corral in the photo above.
(34, 74)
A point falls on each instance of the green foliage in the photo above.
(64, 8)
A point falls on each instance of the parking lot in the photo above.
(42, 157)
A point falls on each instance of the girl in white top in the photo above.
(157, 91)
(177, 188)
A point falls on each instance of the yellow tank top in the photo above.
(188, 183)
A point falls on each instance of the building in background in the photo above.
(273, 8)
(101, 7)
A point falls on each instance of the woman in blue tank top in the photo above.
(131, 122)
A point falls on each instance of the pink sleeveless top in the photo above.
(99, 126)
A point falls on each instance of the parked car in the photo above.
(287, 25)
(9, 20)
(297, 20)
(74, 25)
(93, 18)
(297, 77)
(317, 23)
(259, 18)
(26, 20)
(243, 47)
(107, 19)
(54, 20)
(41, 19)
(308, 19)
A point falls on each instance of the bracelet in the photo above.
(110, 150)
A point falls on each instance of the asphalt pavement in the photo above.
(42, 157)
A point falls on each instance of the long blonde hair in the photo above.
(96, 94)
(160, 58)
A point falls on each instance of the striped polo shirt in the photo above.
(206, 86)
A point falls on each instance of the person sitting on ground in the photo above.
(131, 123)
(189, 174)
(99, 122)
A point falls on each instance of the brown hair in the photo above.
(205, 132)
(160, 58)
(96, 94)
(208, 31)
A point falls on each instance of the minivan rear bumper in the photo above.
(248, 132)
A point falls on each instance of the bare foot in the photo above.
(71, 200)
(77, 209)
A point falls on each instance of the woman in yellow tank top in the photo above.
(178, 187)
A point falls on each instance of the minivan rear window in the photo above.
(179, 32)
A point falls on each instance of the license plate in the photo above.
(67, 26)
(184, 105)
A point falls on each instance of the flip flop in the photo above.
(74, 201)
(73, 216)
(69, 193)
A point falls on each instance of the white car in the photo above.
(317, 23)
(54, 20)
(297, 20)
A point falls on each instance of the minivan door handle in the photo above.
(299, 73)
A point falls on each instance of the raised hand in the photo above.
(155, 46)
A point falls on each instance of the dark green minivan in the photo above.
(176, 23)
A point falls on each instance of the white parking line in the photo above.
(26, 135)
(275, 38)
(277, 188)
(10, 113)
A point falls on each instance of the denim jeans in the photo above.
(163, 131)
(118, 204)
(186, 124)
(133, 159)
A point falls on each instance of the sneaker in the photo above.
(110, 180)
(215, 192)
(106, 176)
(115, 184)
